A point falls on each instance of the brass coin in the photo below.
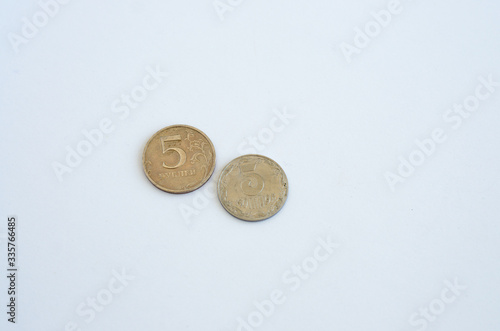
(179, 159)
(252, 187)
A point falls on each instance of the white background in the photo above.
(226, 77)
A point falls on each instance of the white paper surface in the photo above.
(100, 248)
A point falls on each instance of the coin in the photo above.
(179, 159)
(252, 187)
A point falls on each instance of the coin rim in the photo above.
(179, 191)
(258, 219)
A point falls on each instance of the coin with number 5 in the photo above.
(252, 187)
(179, 159)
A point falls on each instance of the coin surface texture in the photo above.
(252, 187)
(179, 159)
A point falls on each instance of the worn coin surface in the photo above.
(252, 187)
(179, 159)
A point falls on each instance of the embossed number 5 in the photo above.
(180, 151)
(252, 183)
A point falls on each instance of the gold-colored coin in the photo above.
(252, 187)
(179, 159)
